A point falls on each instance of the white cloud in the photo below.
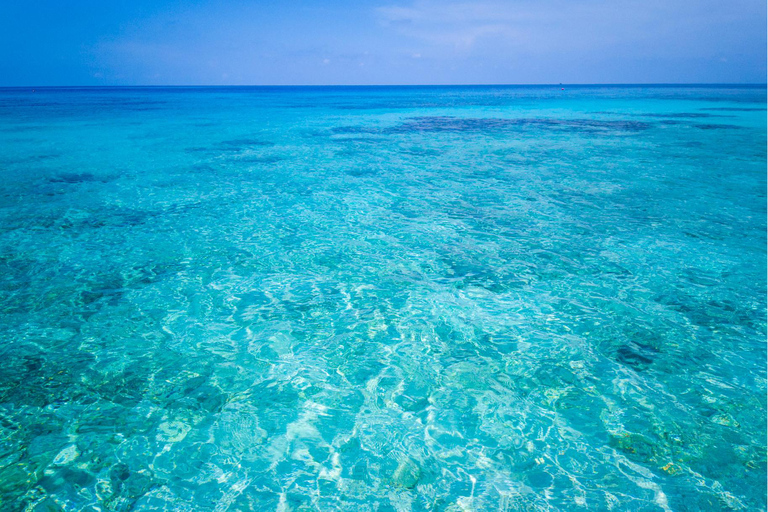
(446, 12)
(459, 24)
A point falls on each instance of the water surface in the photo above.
(383, 299)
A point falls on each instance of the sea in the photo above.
(481, 298)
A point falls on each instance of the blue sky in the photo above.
(208, 42)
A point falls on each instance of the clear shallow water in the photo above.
(383, 299)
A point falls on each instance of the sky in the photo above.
(239, 42)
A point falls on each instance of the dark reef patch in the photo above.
(245, 142)
(364, 172)
(457, 124)
(108, 217)
(682, 115)
(453, 124)
(635, 356)
(78, 177)
(29, 158)
(737, 109)
(359, 140)
(266, 159)
(717, 126)
(417, 151)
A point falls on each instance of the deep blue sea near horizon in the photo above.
(383, 299)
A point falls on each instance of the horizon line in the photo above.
(581, 84)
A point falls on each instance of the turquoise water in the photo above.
(388, 299)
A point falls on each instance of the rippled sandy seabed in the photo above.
(383, 299)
